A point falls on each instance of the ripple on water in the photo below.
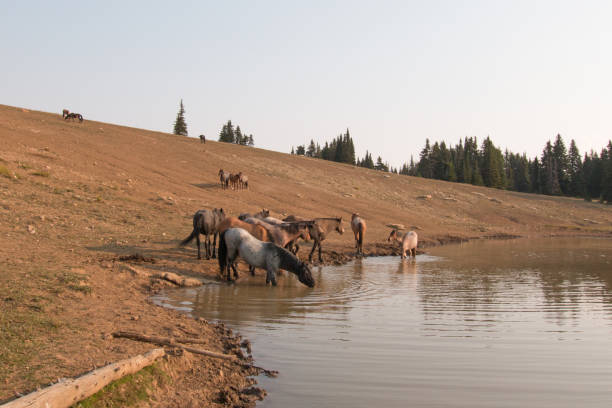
(512, 323)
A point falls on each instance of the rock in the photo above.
(424, 197)
(495, 200)
(31, 229)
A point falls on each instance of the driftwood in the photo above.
(168, 276)
(70, 391)
(177, 279)
(166, 341)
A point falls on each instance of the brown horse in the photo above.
(202, 139)
(255, 230)
(74, 116)
(358, 226)
(318, 231)
(234, 180)
(65, 113)
(285, 233)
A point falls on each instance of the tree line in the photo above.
(558, 171)
(228, 133)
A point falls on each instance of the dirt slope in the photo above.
(76, 196)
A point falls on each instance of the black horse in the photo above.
(206, 222)
(74, 116)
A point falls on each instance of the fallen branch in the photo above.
(70, 391)
(166, 341)
(177, 279)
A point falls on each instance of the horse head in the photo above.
(305, 275)
(339, 227)
(265, 212)
(392, 235)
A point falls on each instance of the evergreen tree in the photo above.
(251, 141)
(301, 150)
(574, 172)
(292, 150)
(180, 126)
(424, 167)
(227, 133)
(606, 182)
(561, 163)
(238, 138)
(312, 149)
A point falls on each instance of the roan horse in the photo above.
(318, 232)
(206, 222)
(236, 242)
(358, 226)
(408, 240)
(224, 178)
(255, 230)
(261, 215)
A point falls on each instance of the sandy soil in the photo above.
(75, 197)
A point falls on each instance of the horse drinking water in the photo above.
(236, 242)
(408, 240)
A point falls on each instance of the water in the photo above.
(486, 324)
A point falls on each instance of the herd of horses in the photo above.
(67, 115)
(270, 243)
(235, 181)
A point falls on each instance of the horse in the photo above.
(206, 222)
(262, 214)
(236, 242)
(408, 240)
(255, 230)
(244, 180)
(318, 232)
(358, 226)
(202, 139)
(224, 178)
(74, 116)
(65, 113)
(285, 233)
(234, 180)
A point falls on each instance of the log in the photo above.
(165, 341)
(70, 391)
(177, 279)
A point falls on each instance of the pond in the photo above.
(483, 324)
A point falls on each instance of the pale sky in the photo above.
(393, 72)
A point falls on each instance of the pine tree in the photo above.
(180, 126)
(292, 151)
(251, 141)
(574, 173)
(561, 163)
(301, 150)
(238, 136)
(424, 166)
(312, 149)
(227, 133)
(606, 182)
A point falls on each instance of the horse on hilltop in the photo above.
(224, 177)
(236, 242)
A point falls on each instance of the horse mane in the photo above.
(288, 261)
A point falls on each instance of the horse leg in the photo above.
(214, 245)
(252, 270)
(207, 246)
(271, 276)
(198, 242)
(314, 246)
(320, 258)
(235, 271)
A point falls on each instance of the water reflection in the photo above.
(498, 323)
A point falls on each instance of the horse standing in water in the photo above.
(408, 240)
(224, 178)
(206, 222)
(318, 232)
(236, 242)
(358, 226)
(255, 230)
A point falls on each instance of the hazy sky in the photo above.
(394, 73)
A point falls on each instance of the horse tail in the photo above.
(360, 237)
(189, 238)
(222, 252)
